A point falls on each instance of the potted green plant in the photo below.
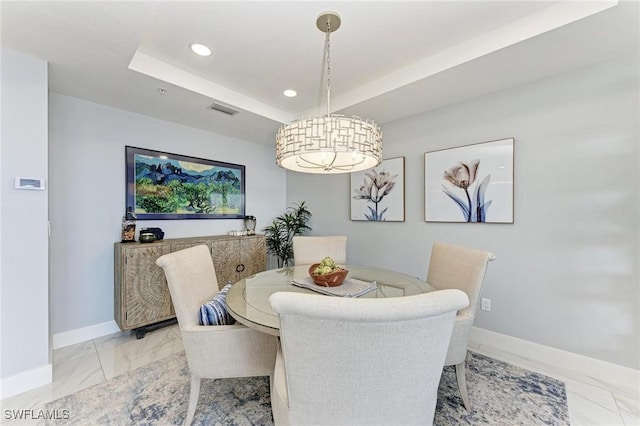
(279, 235)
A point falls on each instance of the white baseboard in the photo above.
(26, 380)
(555, 360)
(41, 376)
(78, 335)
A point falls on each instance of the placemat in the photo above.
(351, 287)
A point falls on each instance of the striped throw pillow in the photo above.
(214, 312)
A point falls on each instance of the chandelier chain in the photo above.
(328, 60)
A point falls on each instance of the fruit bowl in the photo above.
(332, 279)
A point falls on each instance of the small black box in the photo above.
(155, 231)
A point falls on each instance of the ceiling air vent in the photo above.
(223, 109)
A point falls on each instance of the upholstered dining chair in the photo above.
(462, 268)
(311, 249)
(213, 352)
(361, 361)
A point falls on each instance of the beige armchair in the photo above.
(455, 267)
(346, 361)
(308, 250)
(212, 351)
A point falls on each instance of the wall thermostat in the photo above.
(29, 183)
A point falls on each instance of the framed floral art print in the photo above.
(377, 194)
(472, 183)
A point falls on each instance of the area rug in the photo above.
(157, 394)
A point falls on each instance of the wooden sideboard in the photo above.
(142, 297)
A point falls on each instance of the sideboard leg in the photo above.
(142, 331)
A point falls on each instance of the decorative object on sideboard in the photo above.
(129, 226)
(157, 232)
(331, 143)
(161, 185)
(250, 225)
(279, 235)
(146, 237)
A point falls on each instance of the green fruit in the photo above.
(326, 266)
(324, 269)
(327, 261)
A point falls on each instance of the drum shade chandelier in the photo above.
(332, 143)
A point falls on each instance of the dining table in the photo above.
(248, 299)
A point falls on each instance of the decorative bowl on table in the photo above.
(332, 279)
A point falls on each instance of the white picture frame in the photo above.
(470, 184)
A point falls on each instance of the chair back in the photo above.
(192, 281)
(351, 361)
(462, 268)
(308, 250)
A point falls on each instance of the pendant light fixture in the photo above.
(331, 143)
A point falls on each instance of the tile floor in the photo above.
(85, 364)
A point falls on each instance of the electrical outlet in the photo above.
(486, 305)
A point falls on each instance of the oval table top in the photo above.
(248, 299)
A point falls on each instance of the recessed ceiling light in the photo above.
(289, 93)
(200, 49)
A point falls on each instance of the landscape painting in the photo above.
(170, 186)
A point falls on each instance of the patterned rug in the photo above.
(157, 394)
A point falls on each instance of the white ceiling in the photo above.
(390, 59)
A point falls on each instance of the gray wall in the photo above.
(567, 270)
(24, 290)
(566, 273)
(87, 197)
